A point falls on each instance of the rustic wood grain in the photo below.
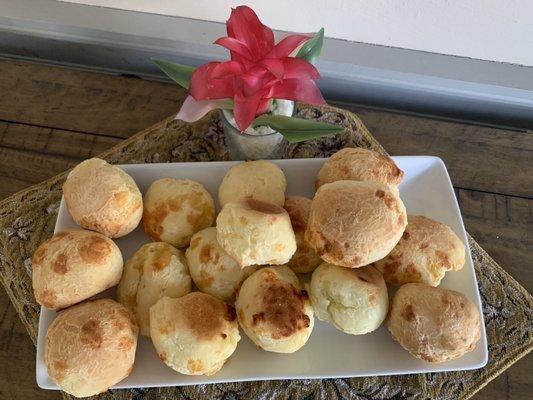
(29, 154)
(54, 117)
(9, 186)
(83, 101)
(503, 226)
(477, 157)
(54, 141)
(17, 358)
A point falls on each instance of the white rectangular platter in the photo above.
(329, 353)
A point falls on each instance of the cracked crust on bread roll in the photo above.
(253, 232)
(213, 271)
(353, 223)
(425, 252)
(434, 324)
(357, 164)
(90, 347)
(355, 301)
(103, 198)
(155, 270)
(260, 180)
(74, 265)
(194, 334)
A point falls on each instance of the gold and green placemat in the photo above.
(28, 218)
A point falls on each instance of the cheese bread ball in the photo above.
(90, 347)
(260, 180)
(194, 334)
(355, 301)
(425, 252)
(354, 223)
(305, 259)
(434, 324)
(155, 270)
(274, 311)
(357, 164)
(103, 198)
(255, 233)
(213, 271)
(74, 265)
(175, 209)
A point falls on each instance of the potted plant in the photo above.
(255, 90)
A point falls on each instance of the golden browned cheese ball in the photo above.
(305, 259)
(354, 223)
(253, 232)
(194, 334)
(103, 198)
(175, 209)
(425, 252)
(357, 164)
(260, 180)
(155, 270)
(213, 271)
(434, 324)
(274, 311)
(74, 265)
(90, 347)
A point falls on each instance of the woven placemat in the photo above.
(28, 218)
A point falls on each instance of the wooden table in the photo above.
(51, 118)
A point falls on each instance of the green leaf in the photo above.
(312, 48)
(181, 74)
(226, 104)
(296, 129)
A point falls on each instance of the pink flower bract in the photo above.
(259, 71)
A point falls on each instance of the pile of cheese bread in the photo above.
(205, 275)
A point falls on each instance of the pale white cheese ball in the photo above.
(103, 198)
(155, 270)
(274, 311)
(213, 271)
(256, 233)
(355, 301)
(260, 180)
(175, 209)
(194, 334)
(74, 265)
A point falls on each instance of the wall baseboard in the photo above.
(117, 41)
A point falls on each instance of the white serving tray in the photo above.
(329, 353)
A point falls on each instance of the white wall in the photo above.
(123, 41)
(495, 30)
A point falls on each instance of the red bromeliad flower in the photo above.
(258, 72)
